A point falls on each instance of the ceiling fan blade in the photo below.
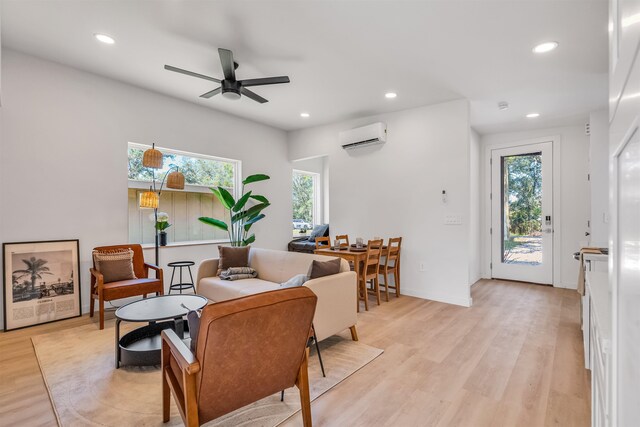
(228, 67)
(265, 81)
(190, 73)
(211, 93)
(253, 95)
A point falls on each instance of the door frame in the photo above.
(555, 141)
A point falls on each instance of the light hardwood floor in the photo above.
(513, 359)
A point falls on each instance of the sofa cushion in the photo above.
(295, 281)
(233, 257)
(114, 265)
(217, 289)
(318, 231)
(324, 268)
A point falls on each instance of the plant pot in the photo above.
(163, 238)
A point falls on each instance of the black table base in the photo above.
(143, 346)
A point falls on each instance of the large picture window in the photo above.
(183, 207)
(306, 202)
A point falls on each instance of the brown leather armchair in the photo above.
(143, 285)
(247, 349)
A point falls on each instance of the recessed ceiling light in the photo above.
(390, 95)
(545, 47)
(104, 38)
(305, 115)
(532, 115)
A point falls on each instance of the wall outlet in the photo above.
(454, 219)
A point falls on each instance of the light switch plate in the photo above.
(454, 219)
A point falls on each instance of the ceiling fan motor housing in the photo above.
(230, 89)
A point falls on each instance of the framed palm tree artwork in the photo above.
(41, 282)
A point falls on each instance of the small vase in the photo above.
(163, 238)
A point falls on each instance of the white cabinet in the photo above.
(600, 346)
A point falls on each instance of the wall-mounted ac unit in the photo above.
(364, 136)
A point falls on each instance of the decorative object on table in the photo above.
(181, 285)
(102, 290)
(359, 242)
(41, 282)
(162, 223)
(239, 273)
(241, 324)
(232, 257)
(174, 179)
(243, 213)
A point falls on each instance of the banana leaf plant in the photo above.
(242, 213)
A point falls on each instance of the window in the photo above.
(306, 202)
(184, 207)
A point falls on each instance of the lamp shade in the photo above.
(149, 199)
(152, 158)
(175, 180)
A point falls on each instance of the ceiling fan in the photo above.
(229, 86)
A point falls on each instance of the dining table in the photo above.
(355, 255)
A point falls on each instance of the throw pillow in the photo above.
(318, 231)
(295, 281)
(232, 257)
(324, 268)
(193, 320)
(115, 265)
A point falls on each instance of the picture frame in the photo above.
(41, 282)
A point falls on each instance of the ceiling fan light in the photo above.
(231, 95)
(152, 158)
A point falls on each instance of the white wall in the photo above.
(64, 151)
(474, 208)
(395, 190)
(599, 171)
(571, 208)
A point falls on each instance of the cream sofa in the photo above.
(336, 307)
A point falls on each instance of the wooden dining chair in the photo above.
(323, 242)
(390, 265)
(370, 271)
(343, 240)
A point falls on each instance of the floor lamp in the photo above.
(174, 179)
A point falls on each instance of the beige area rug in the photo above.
(86, 390)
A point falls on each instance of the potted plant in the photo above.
(161, 225)
(243, 213)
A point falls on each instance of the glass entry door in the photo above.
(522, 213)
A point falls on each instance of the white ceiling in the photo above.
(341, 56)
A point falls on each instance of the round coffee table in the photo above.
(142, 346)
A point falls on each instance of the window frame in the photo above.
(188, 188)
(317, 202)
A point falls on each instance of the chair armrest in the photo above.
(181, 353)
(98, 276)
(158, 270)
(152, 266)
(336, 307)
(207, 268)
